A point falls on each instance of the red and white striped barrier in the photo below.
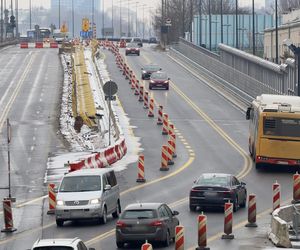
(141, 169)
(276, 195)
(146, 246)
(51, 198)
(172, 137)
(202, 238)
(228, 213)
(53, 45)
(296, 188)
(39, 45)
(151, 108)
(8, 216)
(164, 158)
(130, 76)
(133, 80)
(165, 129)
(179, 237)
(146, 95)
(160, 115)
(137, 87)
(141, 93)
(170, 153)
(251, 211)
(24, 45)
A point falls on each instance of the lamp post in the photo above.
(59, 14)
(73, 28)
(236, 25)
(276, 30)
(253, 28)
(129, 21)
(221, 21)
(209, 24)
(296, 51)
(112, 17)
(1, 21)
(200, 23)
(103, 35)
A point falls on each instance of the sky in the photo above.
(46, 3)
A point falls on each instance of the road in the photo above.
(212, 136)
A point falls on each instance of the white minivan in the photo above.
(88, 194)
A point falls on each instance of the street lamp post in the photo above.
(73, 28)
(236, 25)
(59, 14)
(112, 17)
(296, 51)
(253, 28)
(209, 24)
(1, 21)
(103, 35)
(276, 30)
(200, 23)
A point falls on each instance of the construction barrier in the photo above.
(251, 211)
(172, 137)
(296, 187)
(24, 45)
(151, 108)
(276, 195)
(8, 216)
(54, 45)
(137, 87)
(130, 76)
(146, 94)
(51, 198)
(141, 169)
(165, 129)
(141, 93)
(164, 158)
(179, 237)
(133, 80)
(146, 246)
(160, 115)
(170, 153)
(39, 45)
(228, 216)
(202, 238)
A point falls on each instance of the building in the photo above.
(289, 29)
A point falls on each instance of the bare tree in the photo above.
(288, 5)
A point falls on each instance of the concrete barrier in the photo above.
(281, 218)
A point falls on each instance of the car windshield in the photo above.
(54, 248)
(131, 45)
(213, 180)
(159, 76)
(139, 214)
(80, 184)
(152, 67)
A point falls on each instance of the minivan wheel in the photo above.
(103, 219)
(59, 223)
(118, 210)
(120, 244)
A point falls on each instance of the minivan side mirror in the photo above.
(107, 187)
(175, 213)
(55, 189)
(248, 113)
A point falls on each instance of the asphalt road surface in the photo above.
(212, 136)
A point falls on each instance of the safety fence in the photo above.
(239, 70)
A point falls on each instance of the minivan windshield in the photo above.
(80, 184)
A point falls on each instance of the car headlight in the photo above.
(151, 81)
(59, 203)
(95, 201)
(144, 72)
(166, 81)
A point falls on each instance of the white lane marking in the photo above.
(32, 148)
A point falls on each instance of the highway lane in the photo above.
(30, 93)
(211, 150)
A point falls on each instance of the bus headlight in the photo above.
(95, 201)
(59, 203)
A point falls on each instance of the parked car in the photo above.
(159, 79)
(132, 48)
(88, 194)
(148, 69)
(215, 189)
(60, 244)
(146, 221)
(137, 40)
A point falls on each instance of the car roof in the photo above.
(89, 171)
(133, 45)
(56, 242)
(144, 205)
(216, 174)
(159, 73)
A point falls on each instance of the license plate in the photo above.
(211, 194)
(282, 162)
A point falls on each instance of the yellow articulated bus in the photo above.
(274, 131)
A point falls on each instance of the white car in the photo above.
(61, 244)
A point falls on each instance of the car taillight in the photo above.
(156, 223)
(166, 82)
(121, 224)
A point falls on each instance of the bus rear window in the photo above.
(277, 126)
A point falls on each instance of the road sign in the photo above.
(85, 24)
(86, 34)
(64, 28)
(110, 88)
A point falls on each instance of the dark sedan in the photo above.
(132, 48)
(215, 189)
(139, 222)
(148, 70)
(159, 79)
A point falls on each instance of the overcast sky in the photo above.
(46, 3)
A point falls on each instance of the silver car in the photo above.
(146, 221)
(88, 194)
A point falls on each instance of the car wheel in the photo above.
(243, 204)
(103, 219)
(117, 212)
(120, 244)
(235, 204)
(138, 54)
(167, 88)
(193, 208)
(166, 242)
(59, 223)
